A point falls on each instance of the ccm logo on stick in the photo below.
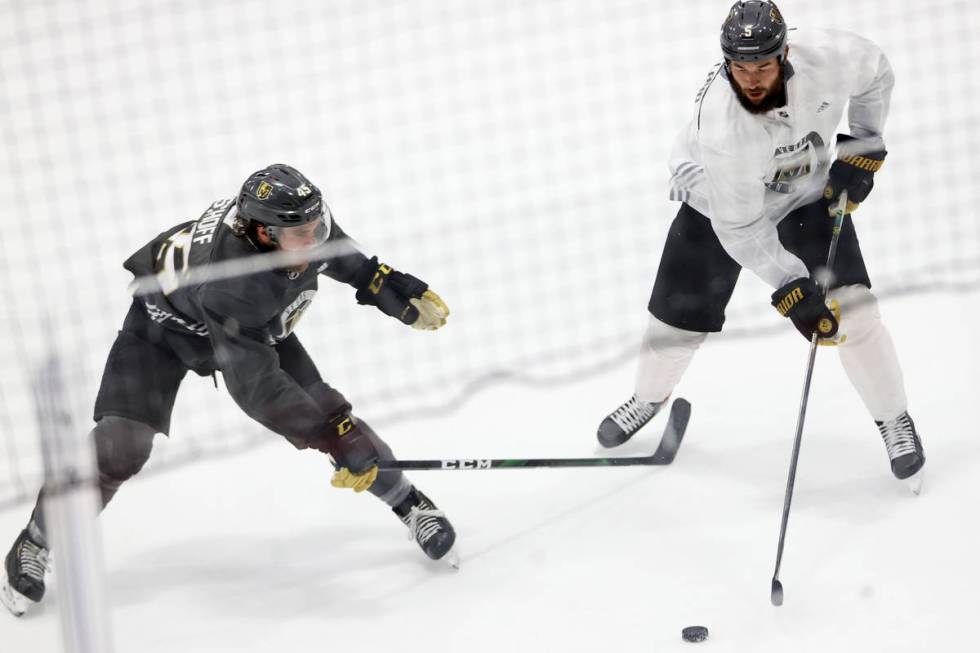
(466, 464)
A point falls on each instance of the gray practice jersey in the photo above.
(232, 324)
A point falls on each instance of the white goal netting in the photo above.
(511, 153)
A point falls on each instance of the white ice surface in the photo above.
(457, 140)
(257, 553)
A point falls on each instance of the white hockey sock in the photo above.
(868, 353)
(664, 356)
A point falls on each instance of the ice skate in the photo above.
(904, 450)
(23, 578)
(13, 600)
(428, 526)
(626, 420)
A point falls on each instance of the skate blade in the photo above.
(452, 559)
(13, 600)
(914, 483)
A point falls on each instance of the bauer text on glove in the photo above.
(853, 171)
(801, 302)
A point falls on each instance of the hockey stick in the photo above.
(670, 442)
(776, 593)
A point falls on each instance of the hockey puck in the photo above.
(694, 634)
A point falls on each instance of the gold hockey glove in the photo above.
(840, 337)
(343, 478)
(432, 311)
(352, 452)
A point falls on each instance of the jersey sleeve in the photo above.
(345, 260)
(250, 366)
(872, 81)
(735, 168)
(143, 261)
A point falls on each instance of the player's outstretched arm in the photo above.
(346, 259)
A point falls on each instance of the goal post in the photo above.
(71, 508)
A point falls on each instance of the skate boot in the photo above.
(427, 525)
(904, 450)
(24, 568)
(626, 420)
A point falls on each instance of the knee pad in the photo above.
(347, 430)
(381, 449)
(122, 446)
(352, 443)
(859, 315)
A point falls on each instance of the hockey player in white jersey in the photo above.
(756, 171)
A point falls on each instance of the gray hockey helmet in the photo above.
(754, 30)
(280, 196)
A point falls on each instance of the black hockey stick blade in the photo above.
(776, 595)
(670, 442)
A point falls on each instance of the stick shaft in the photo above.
(459, 464)
(811, 359)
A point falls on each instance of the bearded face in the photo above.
(759, 85)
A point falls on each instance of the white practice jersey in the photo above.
(747, 171)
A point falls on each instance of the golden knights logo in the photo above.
(793, 163)
(264, 190)
(291, 315)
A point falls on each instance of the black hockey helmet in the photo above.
(753, 31)
(280, 196)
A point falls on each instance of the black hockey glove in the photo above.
(801, 302)
(853, 171)
(354, 456)
(348, 443)
(399, 295)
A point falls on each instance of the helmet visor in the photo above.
(302, 237)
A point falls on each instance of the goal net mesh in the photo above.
(510, 153)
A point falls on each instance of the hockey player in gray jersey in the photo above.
(243, 326)
(756, 173)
